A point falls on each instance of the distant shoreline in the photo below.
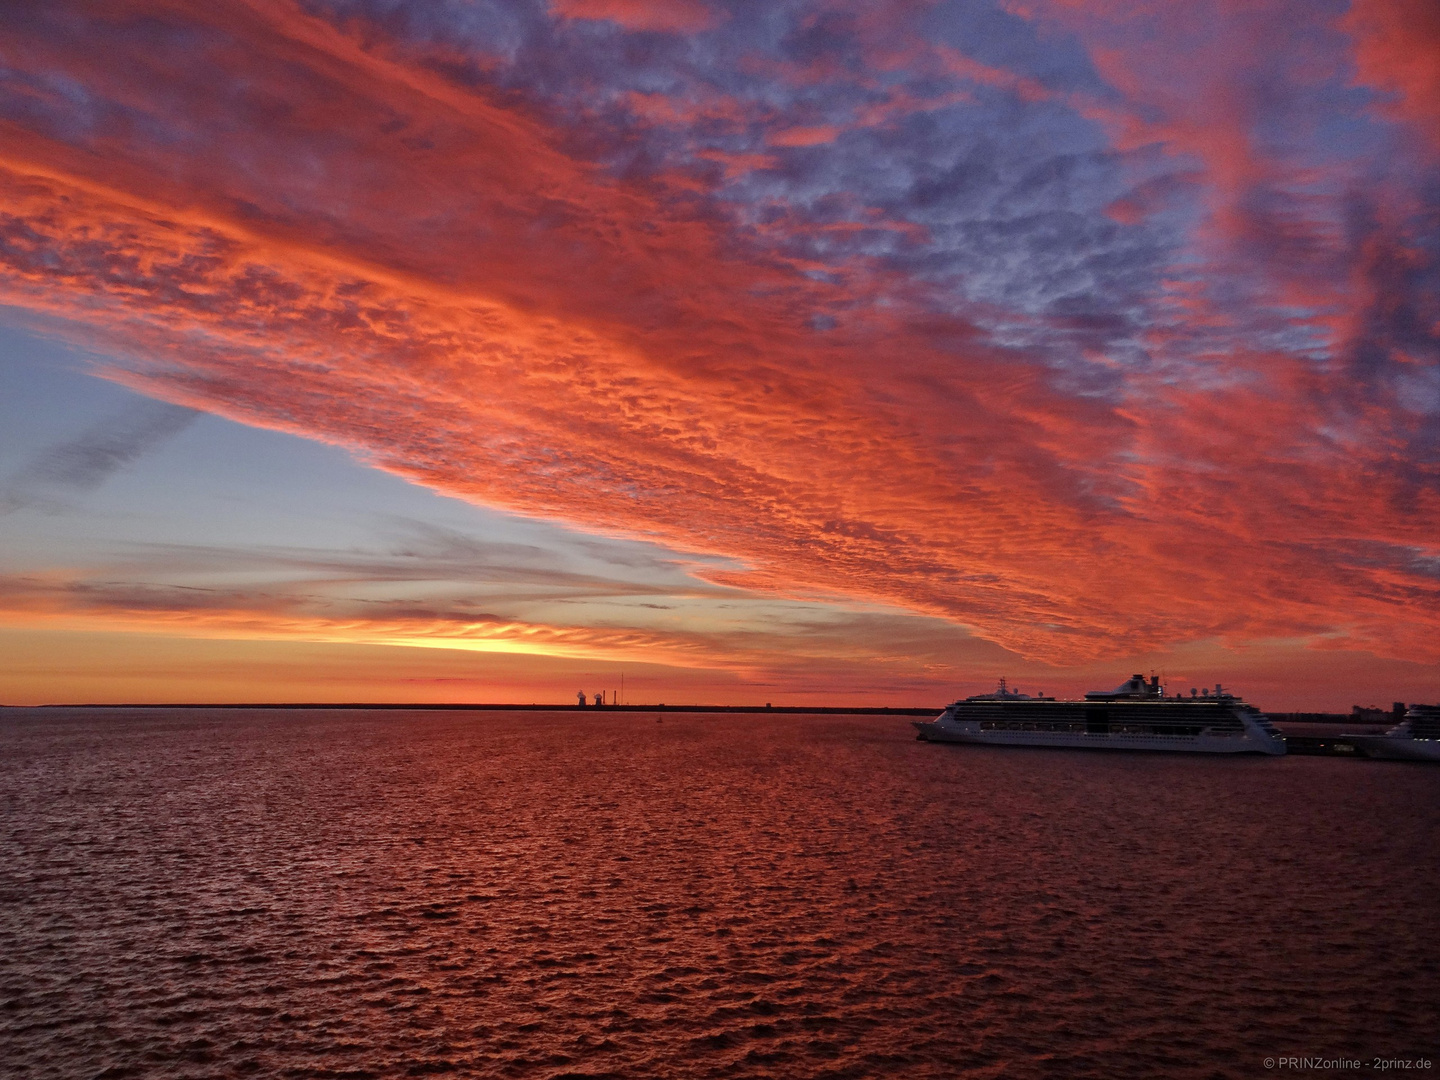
(446, 707)
(853, 710)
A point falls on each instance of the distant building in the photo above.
(1362, 715)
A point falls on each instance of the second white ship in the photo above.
(1415, 738)
(1137, 715)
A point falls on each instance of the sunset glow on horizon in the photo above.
(810, 353)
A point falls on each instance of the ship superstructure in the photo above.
(1137, 715)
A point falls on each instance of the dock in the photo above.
(1328, 738)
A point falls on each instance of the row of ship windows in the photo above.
(1110, 729)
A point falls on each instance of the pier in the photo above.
(1304, 741)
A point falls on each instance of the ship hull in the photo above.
(932, 731)
(1392, 748)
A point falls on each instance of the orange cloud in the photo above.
(154, 608)
(340, 243)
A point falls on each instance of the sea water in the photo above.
(331, 893)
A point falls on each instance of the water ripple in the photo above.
(350, 894)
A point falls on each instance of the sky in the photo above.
(804, 352)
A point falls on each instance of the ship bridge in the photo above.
(1133, 689)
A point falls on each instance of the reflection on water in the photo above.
(212, 893)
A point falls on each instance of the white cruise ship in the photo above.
(1415, 738)
(1137, 715)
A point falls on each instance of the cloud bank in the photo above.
(1094, 329)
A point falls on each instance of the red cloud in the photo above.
(1397, 48)
(805, 136)
(341, 244)
(674, 16)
